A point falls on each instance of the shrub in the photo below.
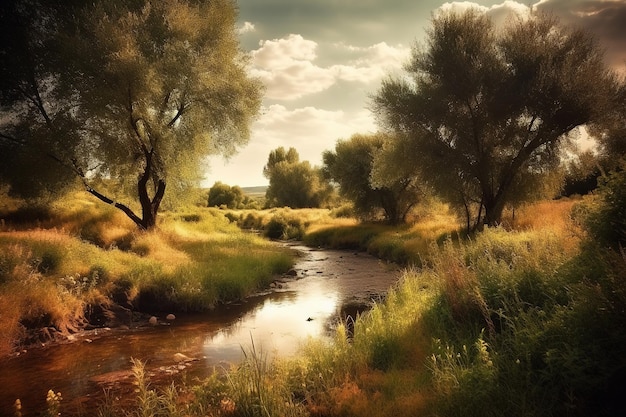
(282, 228)
(606, 219)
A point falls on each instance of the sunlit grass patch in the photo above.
(547, 214)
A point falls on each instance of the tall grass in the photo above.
(405, 245)
(511, 322)
(86, 255)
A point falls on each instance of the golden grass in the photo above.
(548, 214)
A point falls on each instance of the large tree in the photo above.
(485, 111)
(361, 165)
(128, 93)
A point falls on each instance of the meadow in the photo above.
(526, 319)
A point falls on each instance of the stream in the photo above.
(329, 285)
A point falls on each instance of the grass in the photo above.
(83, 254)
(406, 245)
(526, 319)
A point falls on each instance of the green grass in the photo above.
(84, 253)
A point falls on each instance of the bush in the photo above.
(606, 220)
(282, 228)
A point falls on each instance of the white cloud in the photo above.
(459, 7)
(286, 66)
(373, 63)
(499, 13)
(246, 28)
(308, 129)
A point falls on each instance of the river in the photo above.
(329, 285)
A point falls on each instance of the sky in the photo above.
(321, 60)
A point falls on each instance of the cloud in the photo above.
(372, 63)
(606, 19)
(499, 13)
(309, 129)
(246, 28)
(286, 66)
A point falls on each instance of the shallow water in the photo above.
(329, 285)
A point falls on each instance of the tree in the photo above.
(486, 111)
(280, 155)
(132, 92)
(224, 195)
(294, 183)
(359, 166)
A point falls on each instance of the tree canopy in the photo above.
(359, 166)
(130, 93)
(294, 183)
(484, 113)
(221, 194)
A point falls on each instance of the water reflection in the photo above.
(278, 322)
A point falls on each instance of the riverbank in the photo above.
(66, 268)
(323, 288)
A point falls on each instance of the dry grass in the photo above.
(548, 214)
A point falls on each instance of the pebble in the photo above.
(170, 317)
(153, 321)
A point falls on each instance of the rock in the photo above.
(170, 317)
(179, 357)
(292, 272)
(153, 321)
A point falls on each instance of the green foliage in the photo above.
(402, 246)
(525, 328)
(485, 112)
(357, 166)
(294, 183)
(581, 174)
(606, 219)
(256, 391)
(223, 195)
(282, 228)
(51, 278)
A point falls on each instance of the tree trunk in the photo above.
(493, 210)
(149, 207)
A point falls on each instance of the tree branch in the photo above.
(179, 113)
(136, 219)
